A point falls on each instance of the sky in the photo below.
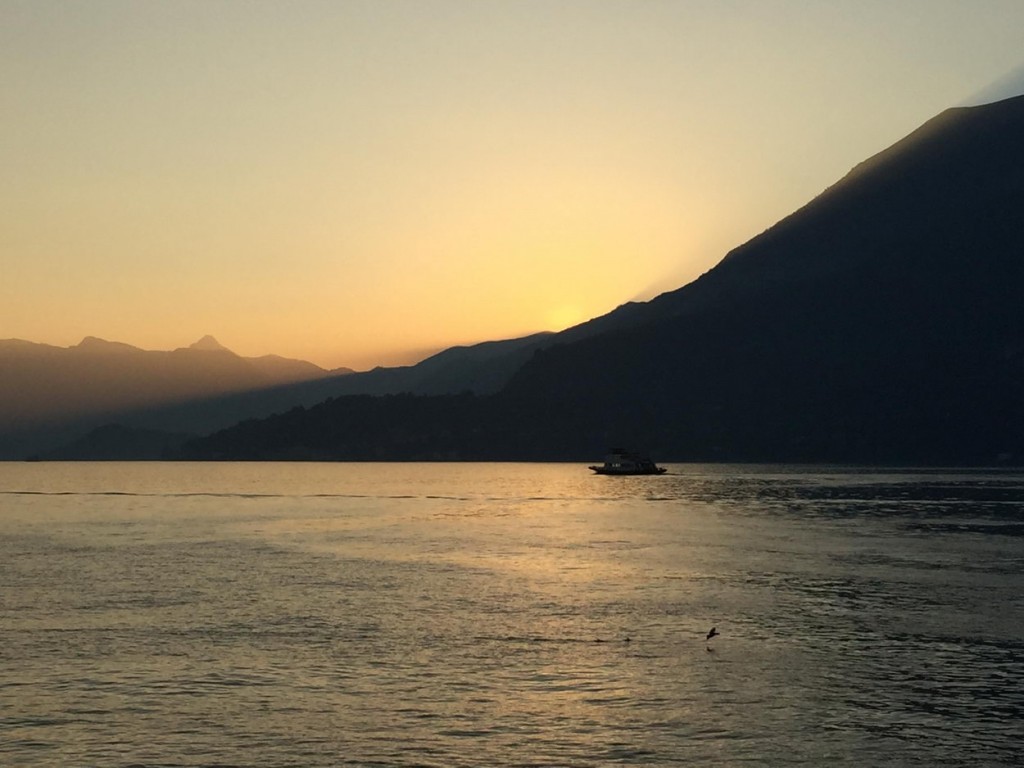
(363, 182)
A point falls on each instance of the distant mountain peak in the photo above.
(209, 344)
(96, 344)
(94, 341)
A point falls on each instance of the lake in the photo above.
(509, 615)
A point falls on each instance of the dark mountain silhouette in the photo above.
(882, 322)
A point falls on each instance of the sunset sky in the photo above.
(362, 182)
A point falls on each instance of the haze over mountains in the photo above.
(52, 398)
(51, 393)
(882, 322)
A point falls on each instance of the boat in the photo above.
(622, 462)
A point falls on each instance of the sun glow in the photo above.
(565, 316)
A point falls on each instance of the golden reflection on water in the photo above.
(545, 539)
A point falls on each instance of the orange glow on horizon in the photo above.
(357, 183)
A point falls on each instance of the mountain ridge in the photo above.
(484, 367)
(881, 322)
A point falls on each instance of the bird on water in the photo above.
(713, 633)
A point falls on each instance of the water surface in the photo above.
(508, 615)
